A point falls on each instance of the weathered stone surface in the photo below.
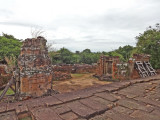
(21, 109)
(65, 97)
(14, 106)
(118, 116)
(44, 114)
(51, 100)
(87, 92)
(81, 119)
(109, 88)
(127, 94)
(107, 96)
(3, 107)
(61, 109)
(148, 101)
(101, 117)
(92, 103)
(120, 85)
(69, 116)
(136, 90)
(34, 103)
(95, 105)
(8, 116)
(102, 101)
(81, 109)
(134, 105)
(156, 112)
(141, 115)
(123, 110)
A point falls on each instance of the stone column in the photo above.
(35, 67)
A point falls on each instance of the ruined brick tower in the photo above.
(35, 67)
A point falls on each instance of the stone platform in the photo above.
(128, 100)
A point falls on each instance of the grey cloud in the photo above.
(101, 32)
(64, 41)
(20, 24)
(5, 13)
(124, 20)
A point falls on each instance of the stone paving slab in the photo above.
(141, 115)
(81, 109)
(69, 116)
(44, 114)
(118, 116)
(107, 96)
(127, 100)
(95, 105)
(133, 105)
(8, 116)
(61, 109)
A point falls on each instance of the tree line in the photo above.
(87, 56)
(148, 42)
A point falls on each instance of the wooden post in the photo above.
(6, 88)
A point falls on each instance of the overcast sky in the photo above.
(100, 25)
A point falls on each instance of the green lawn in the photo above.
(77, 75)
(9, 92)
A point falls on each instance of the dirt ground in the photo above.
(78, 81)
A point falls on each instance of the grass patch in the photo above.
(9, 92)
(77, 75)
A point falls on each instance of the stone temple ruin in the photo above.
(111, 68)
(35, 67)
(33, 76)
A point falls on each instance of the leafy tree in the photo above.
(75, 59)
(65, 55)
(85, 58)
(9, 46)
(86, 51)
(149, 43)
(125, 51)
(114, 53)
